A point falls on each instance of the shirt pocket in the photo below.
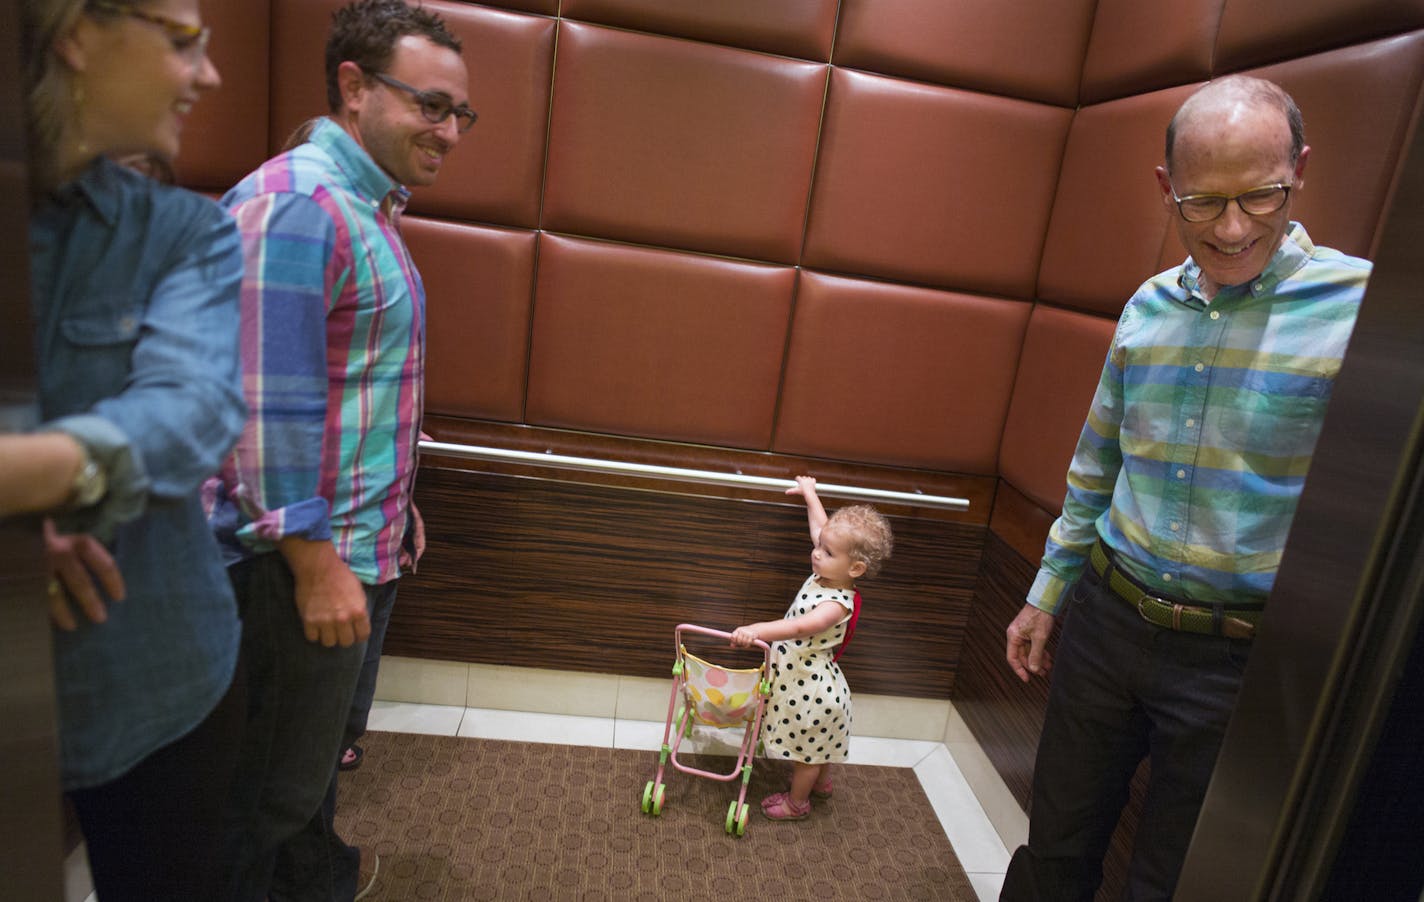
(102, 339)
(1273, 414)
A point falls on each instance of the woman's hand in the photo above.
(79, 567)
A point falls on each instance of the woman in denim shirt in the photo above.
(135, 288)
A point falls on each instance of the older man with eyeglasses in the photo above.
(314, 508)
(1180, 495)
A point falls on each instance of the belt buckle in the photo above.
(1142, 613)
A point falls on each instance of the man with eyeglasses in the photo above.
(1180, 494)
(314, 508)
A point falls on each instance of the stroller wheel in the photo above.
(653, 795)
(737, 819)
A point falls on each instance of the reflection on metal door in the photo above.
(31, 833)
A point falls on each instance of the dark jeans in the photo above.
(156, 832)
(299, 694)
(316, 864)
(1122, 688)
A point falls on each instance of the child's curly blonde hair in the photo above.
(871, 541)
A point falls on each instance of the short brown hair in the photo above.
(365, 33)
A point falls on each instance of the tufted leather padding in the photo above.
(901, 193)
(1035, 54)
(1108, 225)
(1357, 104)
(673, 143)
(657, 344)
(889, 373)
(800, 28)
(227, 129)
(1142, 47)
(1254, 32)
(1063, 355)
(478, 283)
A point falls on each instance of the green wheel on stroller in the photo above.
(737, 819)
(653, 798)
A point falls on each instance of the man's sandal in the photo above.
(781, 807)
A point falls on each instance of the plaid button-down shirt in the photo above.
(1196, 447)
(333, 336)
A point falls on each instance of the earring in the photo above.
(76, 99)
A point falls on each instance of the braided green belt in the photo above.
(1235, 623)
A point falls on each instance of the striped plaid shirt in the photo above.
(1195, 450)
(333, 335)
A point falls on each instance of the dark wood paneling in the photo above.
(1005, 715)
(554, 574)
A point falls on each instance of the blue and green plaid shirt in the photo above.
(1196, 447)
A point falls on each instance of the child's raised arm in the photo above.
(815, 512)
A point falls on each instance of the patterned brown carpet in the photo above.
(476, 819)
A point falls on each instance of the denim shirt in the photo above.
(135, 294)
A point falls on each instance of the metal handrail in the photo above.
(680, 474)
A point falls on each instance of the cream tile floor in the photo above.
(450, 699)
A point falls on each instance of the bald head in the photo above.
(1235, 101)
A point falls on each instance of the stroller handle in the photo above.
(716, 634)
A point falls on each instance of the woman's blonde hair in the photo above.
(871, 540)
(52, 105)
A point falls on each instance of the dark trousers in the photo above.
(316, 863)
(299, 693)
(156, 832)
(1122, 689)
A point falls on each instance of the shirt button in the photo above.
(1166, 577)
(1216, 314)
(1191, 422)
(1181, 474)
(1175, 527)
(1199, 367)
(1258, 286)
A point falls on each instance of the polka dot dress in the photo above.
(808, 716)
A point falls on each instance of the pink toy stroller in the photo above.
(705, 693)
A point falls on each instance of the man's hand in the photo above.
(330, 599)
(1028, 643)
(79, 566)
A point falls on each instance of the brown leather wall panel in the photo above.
(228, 128)
(680, 144)
(497, 171)
(935, 186)
(657, 344)
(1108, 222)
(1036, 53)
(1139, 47)
(883, 373)
(1062, 358)
(1265, 31)
(478, 285)
(800, 28)
(1359, 102)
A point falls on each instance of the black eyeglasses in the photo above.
(1256, 202)
(189, 41)
(434, 106)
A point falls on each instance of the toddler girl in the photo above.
(808, 722)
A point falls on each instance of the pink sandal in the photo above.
(781, 807)
(822, 790)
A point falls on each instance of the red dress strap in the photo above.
(850, 627)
